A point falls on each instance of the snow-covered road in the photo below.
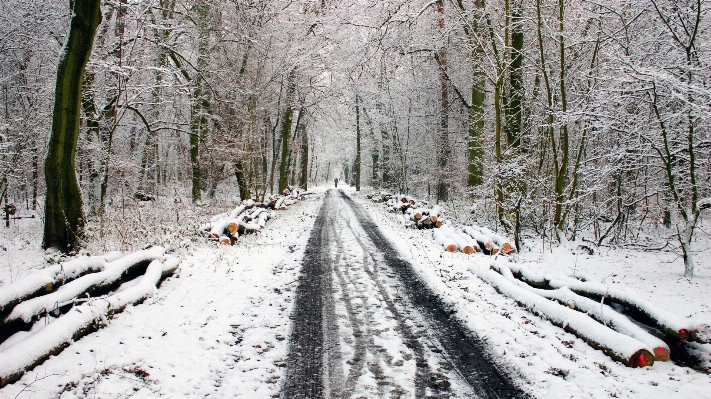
(365, 326)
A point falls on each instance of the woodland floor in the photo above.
(223, 326)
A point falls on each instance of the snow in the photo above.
(53, 275)
(549, 362)
(219, 327)
(112, 271)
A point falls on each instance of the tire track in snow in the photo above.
(364, 325)
(466, 353)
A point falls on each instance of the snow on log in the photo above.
(51, 339)
(463, 245)
(627, 350)
(487, 244)
(507, 246)
(600, 312)
(279, 203)
(247, 228)
(88, 284)
(669, 323)
(434, 213)
(49, 278)
(448, 244)
(262, 221)
(470, 241)
(218, 227)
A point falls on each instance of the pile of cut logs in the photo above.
(249, 217)
(467, 239)
(79, 296)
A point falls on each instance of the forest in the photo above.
(549, 120)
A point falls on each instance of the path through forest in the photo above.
(365, 325)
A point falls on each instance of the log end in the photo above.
(661, 354)
(232, 228)
(506, 248)
(451, 248)
(433, 219)
(641, 358)
(225, 240)
(468, 250)
(684, 334)
(48, 287)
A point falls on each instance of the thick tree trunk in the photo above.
(286, 130)
(513, 111)
(64, 216)
(443, 148)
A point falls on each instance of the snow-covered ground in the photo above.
(220, 326)
(550, 362)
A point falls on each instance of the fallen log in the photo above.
(51, 278)
(218, 227)
(92, 284)
(485, 243)
(51, 339)
(279, 203)
(639, 308)
(620, 347)
(434, 213)
(448, 244)
(462, 244)
(507, 246)
(602, 313)
(469, 240)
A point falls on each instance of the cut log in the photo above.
(638, 308)
(279, 203)
(92, 284)
(263, 217)
(602, 313)
(434, 213)
(487, 245)
(218, 227)
(225, 240)
(470, 241)
(462, 244)
(51, 277)
(507, 246)
(448, 244)
(620, 347)
(248, 228)
(51, 339)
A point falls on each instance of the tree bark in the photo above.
(286, 130)
(443, 150)
(64, 214)
(357, 159)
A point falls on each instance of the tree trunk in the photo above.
(304, 177)
(513, 111)
(443, 149)
(357, 159)
(64, 216)
(286, 130)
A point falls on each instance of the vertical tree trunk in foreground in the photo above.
(286, 130)
(64, 215)
(357, 159)
(443, 150)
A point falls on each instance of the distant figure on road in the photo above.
(335, 181)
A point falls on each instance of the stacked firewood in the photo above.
(78, 297)
(249, 217)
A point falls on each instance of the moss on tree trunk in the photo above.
(64, 214)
